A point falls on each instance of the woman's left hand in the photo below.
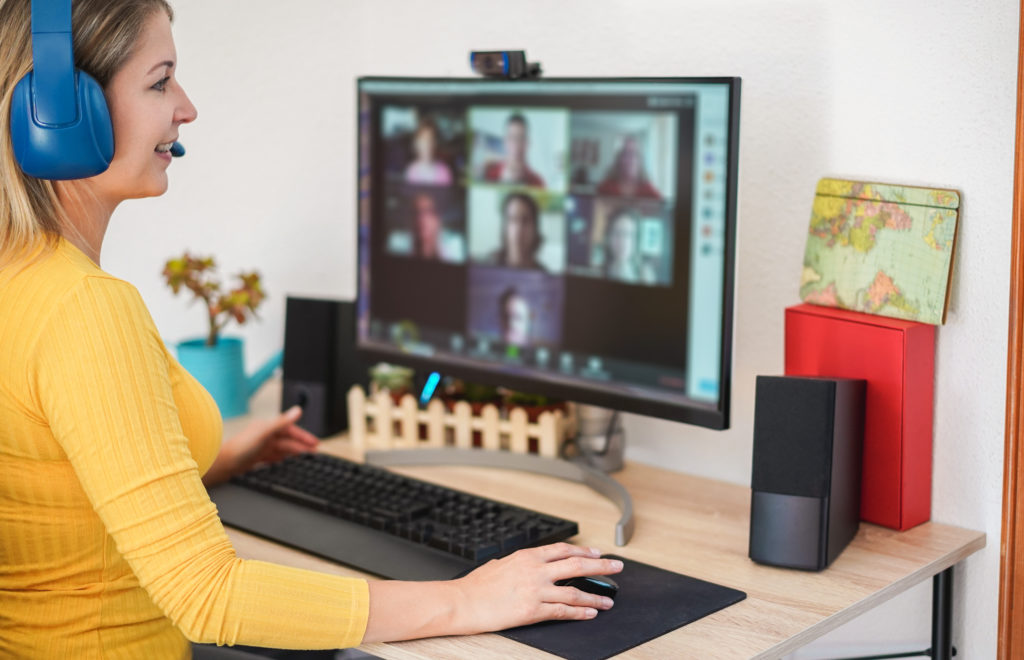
(262, 441)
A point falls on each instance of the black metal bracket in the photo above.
(942, 624)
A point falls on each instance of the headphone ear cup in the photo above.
(77, 149)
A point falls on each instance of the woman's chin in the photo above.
(153, 188)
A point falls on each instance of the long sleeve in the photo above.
(99, 373)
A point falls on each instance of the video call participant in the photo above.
(627, 177)
(516, 317)
(427, 169)
(520, 233)
(427, 225)
(114, 548)
(622, 258)
(430, 238)
(514, 168)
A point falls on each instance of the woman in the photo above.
(520, 233)
(427, 169)
(627, 177)
(109, 544)
(623, 261)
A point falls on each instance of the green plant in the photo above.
(473, 392)
(391, 377)
(514, 398)
(198, 275)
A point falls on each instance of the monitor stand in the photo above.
(600, 442)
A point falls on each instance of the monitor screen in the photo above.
(569, 237)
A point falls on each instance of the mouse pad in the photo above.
(650, 603)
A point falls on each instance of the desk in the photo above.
(686, 524)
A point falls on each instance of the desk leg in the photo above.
(942, 623)
(942, 616)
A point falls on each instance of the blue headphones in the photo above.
(60, 124)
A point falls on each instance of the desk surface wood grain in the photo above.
(687, 524)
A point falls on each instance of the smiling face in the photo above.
(147, 106)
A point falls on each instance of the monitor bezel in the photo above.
(711, 416)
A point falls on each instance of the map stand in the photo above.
(881, 249)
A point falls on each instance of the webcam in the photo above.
(508, 64)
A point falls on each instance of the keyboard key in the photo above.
(296, 495)
(513, 541)
(483, 552)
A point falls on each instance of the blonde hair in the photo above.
(104, 34)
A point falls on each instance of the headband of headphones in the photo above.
(60, 124)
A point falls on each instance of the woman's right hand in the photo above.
(519, 589)
(513, 591)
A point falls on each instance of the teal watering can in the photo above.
(221, 370)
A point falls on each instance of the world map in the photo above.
(882, 249)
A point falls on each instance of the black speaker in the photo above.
(808, 437)
(320, 362)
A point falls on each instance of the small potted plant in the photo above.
(216, 361)
(395, 380)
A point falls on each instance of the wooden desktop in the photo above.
(691, 525)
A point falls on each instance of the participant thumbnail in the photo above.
(423, 146)
(517, 228)
(624, 241)
(425, 222)
(525, 147)
(515, 307)
(624, 154)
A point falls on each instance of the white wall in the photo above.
(913, 91)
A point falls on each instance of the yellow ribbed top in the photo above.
(109, 544)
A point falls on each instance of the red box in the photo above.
(897, 359)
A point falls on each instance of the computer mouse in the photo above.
(602, 585)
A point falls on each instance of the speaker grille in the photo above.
(793, 434)
(310, 338)
(321, 362)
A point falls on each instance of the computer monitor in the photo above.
(567, 237)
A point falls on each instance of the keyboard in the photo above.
(378, 521)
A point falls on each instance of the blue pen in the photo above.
(428, 389)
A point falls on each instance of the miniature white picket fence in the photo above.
(375, 422)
